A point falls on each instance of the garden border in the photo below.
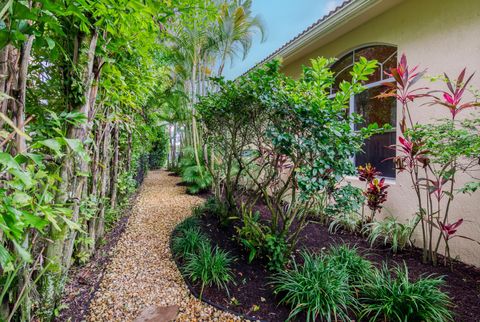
(192, 290)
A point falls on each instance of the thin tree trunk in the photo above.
(115, 164)
(70, 187)
(100, 228)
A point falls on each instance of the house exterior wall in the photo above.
(443, 36)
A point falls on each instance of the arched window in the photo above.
(380, 111)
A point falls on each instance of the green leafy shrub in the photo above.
(260, 241)
(357, 267)
(388, 298)
(319, 288)
(209, 267)
(276, 249)
(344, 212)
(189, 241)
(391, 231)
(251, 234)
(197, 176)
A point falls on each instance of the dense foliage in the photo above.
(283, 141)
(86, 90)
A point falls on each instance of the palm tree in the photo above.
(235, 30)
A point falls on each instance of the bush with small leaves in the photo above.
(209, 267)
(319, 287)
(189, 241)
(397, 299)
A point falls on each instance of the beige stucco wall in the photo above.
(443, 36)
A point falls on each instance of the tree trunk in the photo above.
(100, 228)
(71, 187)
(115, 165)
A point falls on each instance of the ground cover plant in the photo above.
(318, 286)
(252, 293)
(384, 297)
(209, 266)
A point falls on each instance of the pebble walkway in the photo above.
(142, 272)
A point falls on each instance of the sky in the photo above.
(283, 20)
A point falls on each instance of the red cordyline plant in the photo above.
(433, 177)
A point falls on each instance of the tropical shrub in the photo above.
(189, 241)
(209, 267)
(259, 241)
(393, 232)
(347, 199)
(287, 140)
(197, 176)
(394, 297)
(319, 287)
(434, 155)
(344, 211)
(251, 233)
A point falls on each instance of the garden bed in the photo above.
(253, 296)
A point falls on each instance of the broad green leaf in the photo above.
(52, 144)
(5, 257)
(8, 161)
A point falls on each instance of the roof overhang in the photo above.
(343, 19)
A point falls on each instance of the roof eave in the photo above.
(351, 10)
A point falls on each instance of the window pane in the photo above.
(385, 55)
(380, 111)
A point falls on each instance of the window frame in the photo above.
(351, 103)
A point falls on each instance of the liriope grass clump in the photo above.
(347, 258)
(188, 241)
(339, 285)
(392, 296)
(319, 287)
(209, 266)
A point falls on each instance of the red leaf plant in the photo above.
(452, 98)
(376, 194)
(450, 229)
(368, 172)
(414, 157)
(411, 154)
(401, 89)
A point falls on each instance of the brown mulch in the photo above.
(253, 295)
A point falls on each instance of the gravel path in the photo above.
(142, 272)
